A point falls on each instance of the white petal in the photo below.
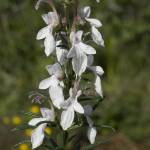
(61, 55)
(61, 83)
(67, 118)
(87, 11)
(67, 103)
(49, 44)
(37, 136)
(56, 95)
(97, 37)
(86, 48)
(79, 93)
(97, 1)
(92, 134)
(88, 110)
(45, 84)
(97, 70)
(54, 18)
(79, 62)
(48, 113)
(43, 33)
(71, 52)
(36, 121)
(98, 86)
(71, 92)
(90, 60)
(78, 107)
(51, 18)
(55, 70)
(72, 36)
(94, 22)
(46, 18)
(78, 36)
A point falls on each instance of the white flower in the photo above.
(78, 52)
(54, 84)
(98, 72)
(61, 53)
(97, 1)
(52, 20)
(71, 105)
(85, 12)
(37, 136)
(95, 23)
(91, 133)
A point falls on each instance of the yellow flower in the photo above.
(6, 120)
(48, 130)
(23, 147)
(28, 132)
(16, 120)
(35, 109)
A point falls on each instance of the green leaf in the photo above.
(22, 127)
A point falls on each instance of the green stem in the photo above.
(65, 139)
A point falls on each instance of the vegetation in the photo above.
(125, 59)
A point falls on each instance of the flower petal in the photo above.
(86, 48)
(61, 55)
(94, 22)
(56, 95)
(97, 37)
(78, 36)
(92, 134)
(48, 113)
(79, 93)
(98, 86)
(97, 70)
(67, 103)
(55, 69)
(45, 84)
(51, 19)
(67, 118)
(46, 18)
(36, 121)
(72, 36)
(43, 33)
(71, 53)
(37, 136)
(49, 44)
(78, 107)
(79, 62)
(86, 11)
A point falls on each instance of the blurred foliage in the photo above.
(125, 60)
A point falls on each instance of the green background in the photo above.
(125, 59)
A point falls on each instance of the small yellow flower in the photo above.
(28, 132)
(6, 120)
(35, 109)
(16, 120)
(23, 147)
(48, 130)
